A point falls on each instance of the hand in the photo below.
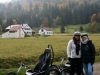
(92, 63)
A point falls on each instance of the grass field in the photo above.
(27, 50)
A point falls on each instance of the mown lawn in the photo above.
(28, 49)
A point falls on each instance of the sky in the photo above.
(4, 1)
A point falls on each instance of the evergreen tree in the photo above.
(81, 28)
(62, 29)
(36, 9)
(0, 22)
(63, 11)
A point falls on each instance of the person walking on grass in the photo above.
(87, 54)
(74, 53)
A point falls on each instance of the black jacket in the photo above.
(88, 52)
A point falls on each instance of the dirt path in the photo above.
(96, 69)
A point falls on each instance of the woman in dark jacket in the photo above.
(87, 54)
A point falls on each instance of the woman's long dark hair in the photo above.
(77, 43)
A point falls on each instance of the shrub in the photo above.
(93, 27)
(37, 35)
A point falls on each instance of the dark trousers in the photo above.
(76, 66)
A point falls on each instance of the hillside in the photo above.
(50, 13)
(59, 3)
(55, 1)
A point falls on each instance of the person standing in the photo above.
(87, 54)
(74, 53)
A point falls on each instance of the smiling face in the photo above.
(84, 38)
(77, 37)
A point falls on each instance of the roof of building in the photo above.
(47, 28)
(9, 27)
(15, 28)
(22, 25)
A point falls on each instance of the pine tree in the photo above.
(62, 29)
(0, 22)
(36, 9)
(81, 28)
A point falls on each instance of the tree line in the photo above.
(49, 13)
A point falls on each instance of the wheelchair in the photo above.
(44, 65)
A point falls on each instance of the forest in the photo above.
(49, 13)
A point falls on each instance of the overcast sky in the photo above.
(5, 1)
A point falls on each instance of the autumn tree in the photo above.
(58, 21)
(94, 17)
(98, 17)
(14, 21)
(0, 28)
(57, 12)
(45, 21)
(93, 27)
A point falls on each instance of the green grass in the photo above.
(23, 70)
(71, 28)
(27, 50)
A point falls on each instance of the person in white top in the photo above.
(74, 53)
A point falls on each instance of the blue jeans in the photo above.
(88, 68)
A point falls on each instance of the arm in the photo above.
(93, 53)
(69, 49)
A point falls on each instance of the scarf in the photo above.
(85, 41)
(77, 43)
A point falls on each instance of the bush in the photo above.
(98, 52)
(27, 35)
(93, 27)
(13, 62)
(37, 35)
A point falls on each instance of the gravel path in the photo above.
(96, 69)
